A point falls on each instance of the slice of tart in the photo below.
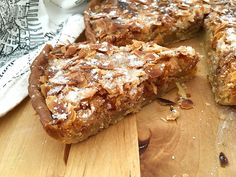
(82, 88)
(220, 28)
(120, 21)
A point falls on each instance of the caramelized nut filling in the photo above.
(120, 21)
(78, 84)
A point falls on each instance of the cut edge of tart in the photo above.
(119, 22)
(220, 42)
(82, 88)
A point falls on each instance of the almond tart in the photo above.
(82, 88)
(220, 26)
(164, 21)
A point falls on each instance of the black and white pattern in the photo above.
(24, 27)
(21, 30)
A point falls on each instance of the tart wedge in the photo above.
(82, 88)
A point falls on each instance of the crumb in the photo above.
(184, 85)
(186, 103)
(173, 157)
(201, 110)
(181, 90)
(174, 114)
(163, 119)
(194, 137)
(207, 104)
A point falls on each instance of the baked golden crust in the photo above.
(82, 88)
(220, 26)
(120, 21)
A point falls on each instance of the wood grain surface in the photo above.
(187, 147)
(190, 146)
(27, 151)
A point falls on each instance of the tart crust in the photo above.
(82, 88)
(163, 22)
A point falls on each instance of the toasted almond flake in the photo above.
(78, 94)
(154, 87)
(186, 104)
(70, 51)
(181, 91)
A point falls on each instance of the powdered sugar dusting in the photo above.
(80, 85)
(145, 13)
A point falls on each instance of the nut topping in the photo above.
(87, 77)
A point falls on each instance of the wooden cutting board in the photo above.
(26, 149)
(189, 146)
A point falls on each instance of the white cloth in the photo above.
(25, 27)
